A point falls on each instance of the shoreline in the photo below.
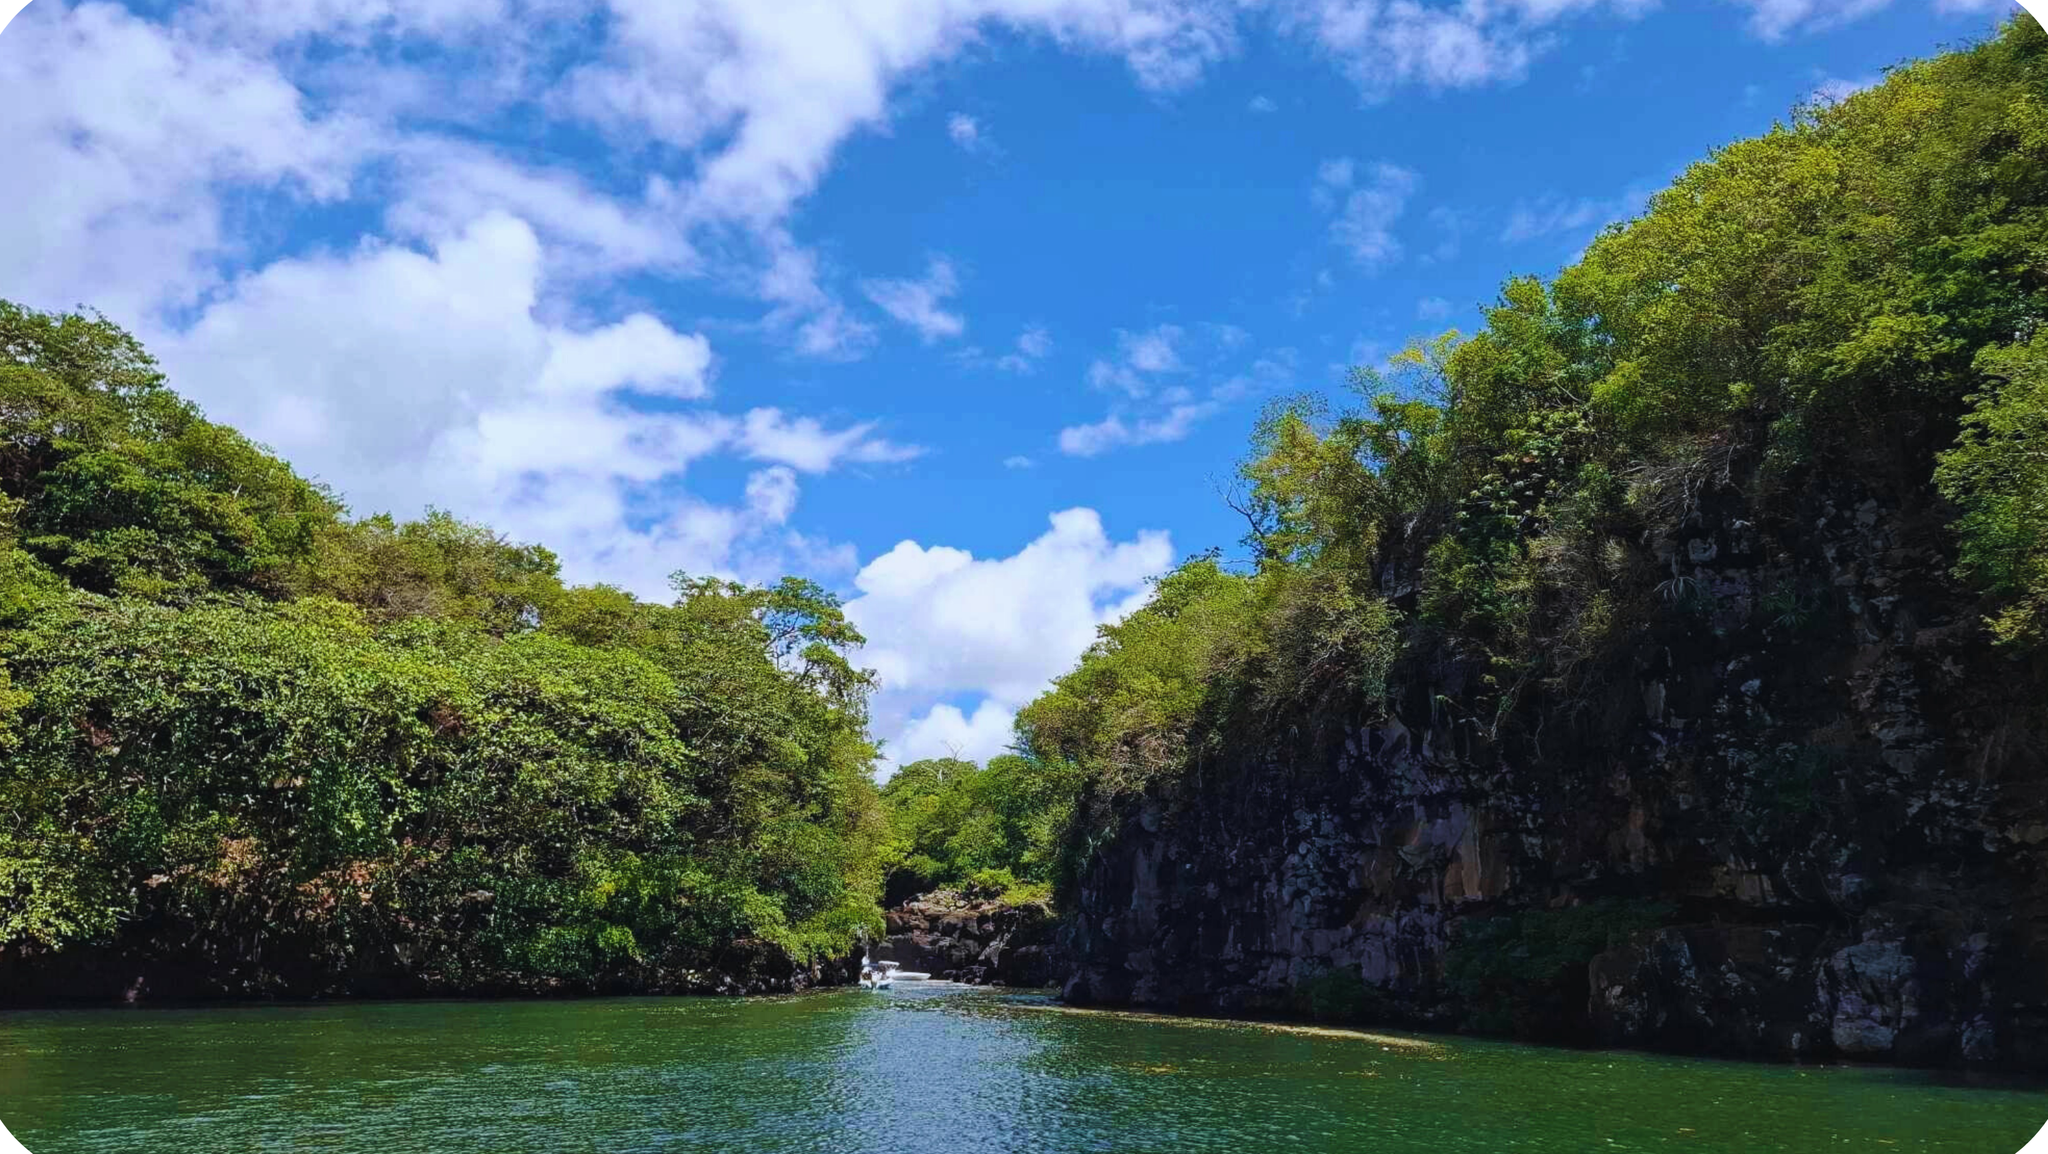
(1045, 1000)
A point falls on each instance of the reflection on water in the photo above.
(915, 1069)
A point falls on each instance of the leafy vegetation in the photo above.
(1857, 294)
(295, 752)
(1998, 474)
(992, 831)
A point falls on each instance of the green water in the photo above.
(912, 1070)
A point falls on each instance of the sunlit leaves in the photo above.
(1998, 473)
(304, 753)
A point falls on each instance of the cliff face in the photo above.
(977, 942)
(1804, 815)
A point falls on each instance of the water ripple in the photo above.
(917, 1070)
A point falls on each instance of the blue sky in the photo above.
(963, 307)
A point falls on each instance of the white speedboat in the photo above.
(878, 975)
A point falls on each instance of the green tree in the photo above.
(1998, 474)
(297, 754)
(123, 487)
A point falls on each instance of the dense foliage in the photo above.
(1858, 292)
(1998, 474)
(993, 830)
(288, 751)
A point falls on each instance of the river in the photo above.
(914, 1070)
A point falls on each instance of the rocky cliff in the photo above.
(955, 938)
(1802, 815)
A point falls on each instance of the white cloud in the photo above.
(1551, 215)
(129, 128)
(1387, 44)
(1151, 408)
(1362, 351)
(768, 435)
(1273, 372)
(920, 303)
(1332, 178)
(1113, 432)
(943, 623)
(1227, 336)
(273, 23)
(1018, 462)
(832, 334)
(782, 85)
(1140, 357)
(1834, 89)
(402, 376)
(944, 731)
(1383, 45)
(1033, 345)
(789, 279)
(968, 133)
(732, 111)
(141, 131)
(638, 353)
(1775, 19)
(771, 494)
(1432, 309)
(135, 127)
(1096, 439)
(1367, 201)
(1263, 104)
(1155, 351)
(1451, 225)
(444, 185)
(378, 353)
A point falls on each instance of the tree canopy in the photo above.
(297, 752)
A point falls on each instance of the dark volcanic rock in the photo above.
(1812, 768)
(950, 936)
